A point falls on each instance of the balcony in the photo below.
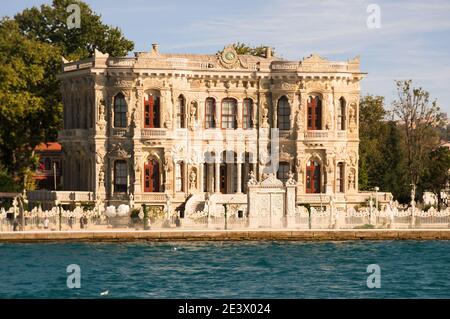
(151, 198)
(153, 132)
(341, 134)
(63, 197)
(317, 135)
(119, 132)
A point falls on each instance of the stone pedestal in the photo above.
(290, 205)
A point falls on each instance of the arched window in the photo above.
(120, 176)
(229, 113)
(151, 176)
(151, 110)
(312, 177)
(210, 113)
(283, 170)
(283, 114)
(341, 114)
(120, 111)
(340, 176)
(181, 112)
(314, 113)
(247, 113)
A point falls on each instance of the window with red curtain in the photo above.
(151, 176)
(314, 113)
(312, 177)
(151, 111)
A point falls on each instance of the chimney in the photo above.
(268, 52)
(155, 47)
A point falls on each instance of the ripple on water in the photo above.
(409, 269)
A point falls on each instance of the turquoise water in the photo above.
(409, 269)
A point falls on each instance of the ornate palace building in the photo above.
(184, 130)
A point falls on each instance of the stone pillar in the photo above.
(239, 177)
(210, 179)
(290, 204)
(217, 177)
(330, 169)
(200, 176)
(274, 112)
(251, 200)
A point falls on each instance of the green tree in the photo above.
(26, 114)
(436, 176)
(49, 24)
(31, 47)
(394, 178)
(371, 133)
(381, 157)
(419, 119)
(7, 182)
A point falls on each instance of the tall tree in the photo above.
(31, 46)
(437, 173)
(381, 156)
(419, 118)
(26, 115)
(371, 133)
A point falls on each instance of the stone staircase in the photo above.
(195, 203)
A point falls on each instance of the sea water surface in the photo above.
(409, 269)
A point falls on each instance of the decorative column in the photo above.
(329, 173)
(239, 177)
(200, 177)
(136, 125)
(100, 168)
(274, 111)
(210, 180)
(217, 177)
(291, 186)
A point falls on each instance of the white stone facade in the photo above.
(157, 128)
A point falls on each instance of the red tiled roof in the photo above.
(50, 146)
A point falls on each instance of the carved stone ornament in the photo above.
(229, 58)
(291, 181)
(193, 179)
(137, 165)
(101, 123)
(167, 162)
(101, 177)
(252, 179)
(118, 151)
(265, 117)
(99, 157)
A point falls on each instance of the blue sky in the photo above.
(412, 42)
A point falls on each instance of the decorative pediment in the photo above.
(271, 181)
(228, 57)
